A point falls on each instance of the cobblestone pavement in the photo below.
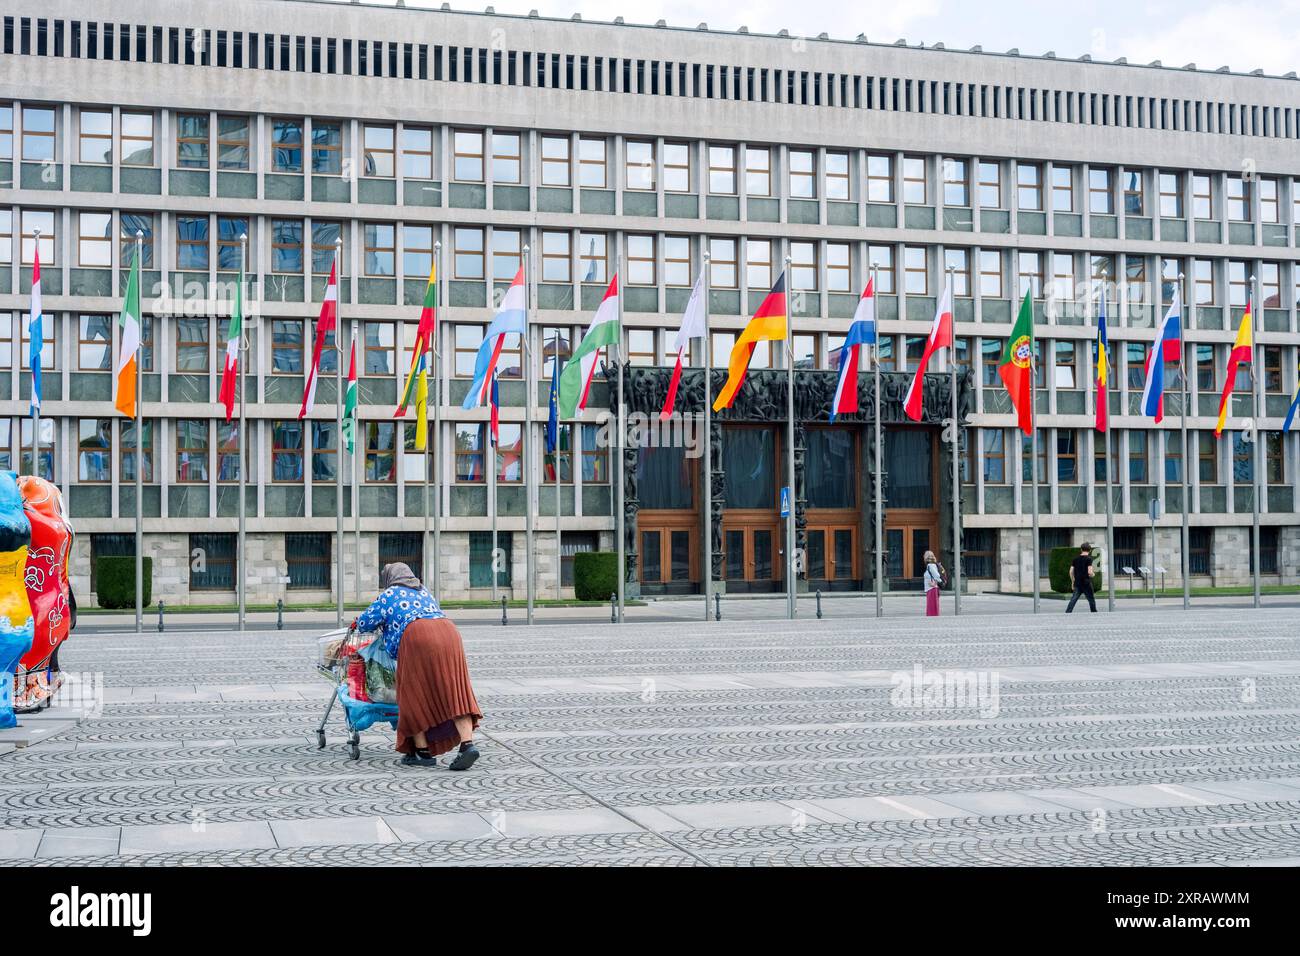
(1156, 737)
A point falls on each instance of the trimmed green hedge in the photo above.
(115, 581)
(595, 575)
(1058, 569)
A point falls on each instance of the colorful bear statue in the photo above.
(16, 625)
(48, 592)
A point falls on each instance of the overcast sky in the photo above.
(1242, 35)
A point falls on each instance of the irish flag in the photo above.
(1017, 368)
(229, 375)
(124, 394)
(1241, 352)
(350, 399)
(575, 379)
(325, 324)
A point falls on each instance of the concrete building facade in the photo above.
(610, 148)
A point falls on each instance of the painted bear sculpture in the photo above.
(16, 623)
(49, 593)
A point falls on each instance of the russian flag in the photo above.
(1166, 348)
(861, 332)
(511, 318)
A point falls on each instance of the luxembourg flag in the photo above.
(861, 332)
(1166, 348)
(692, 328)
(940, 338)
(511, 318)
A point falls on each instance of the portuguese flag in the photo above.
(1017, 368)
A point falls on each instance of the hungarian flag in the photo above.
(325, 324)
(129, 321)
(1103, 365)
(940, 338)
(767, 325)
(1017, 368)
(36, 332)
(693, 327)
(424, 336)
(575, 379)
(1242, 351)
(861, 332)
(350, 401)
(231, 371)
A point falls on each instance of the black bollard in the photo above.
(717, 606)
(613, 607)
(819, 604)
(504, 619)
(279, 614)
(162, 606)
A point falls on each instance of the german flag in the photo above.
(1241, 352)
(767, 325)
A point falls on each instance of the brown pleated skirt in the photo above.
(433, 686)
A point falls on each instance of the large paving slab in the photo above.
(1151, 736)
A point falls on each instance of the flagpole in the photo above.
(36, 372)
(619, 529)
(559, 429)
(1033, 447)
(708, 443)
(530, 396)
(1187, 451)
(492, 483)
(338, 440)
(139, 464)
(430, 461)
(357, 454)
(879, 480)
(1110, 508)
(240, 564)
(956, 466)
(789, 451)
(1254, 424)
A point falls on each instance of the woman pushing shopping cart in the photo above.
(433, 709)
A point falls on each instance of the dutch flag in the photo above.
(861, 332)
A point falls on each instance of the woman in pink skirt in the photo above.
(933, 578)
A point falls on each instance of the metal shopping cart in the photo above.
(334, 651)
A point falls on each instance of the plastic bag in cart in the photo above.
(381, 673)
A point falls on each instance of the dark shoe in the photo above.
(465, 759)
(415, 760)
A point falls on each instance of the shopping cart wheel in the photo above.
(320, 740)
(354, 745)
(355, 751)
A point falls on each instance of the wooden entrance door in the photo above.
(753, 553)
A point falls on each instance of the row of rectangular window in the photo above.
(299, 53)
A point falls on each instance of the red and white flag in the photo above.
(692, 328)
(327, 323)
(940, 338)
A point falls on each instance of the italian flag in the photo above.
(350, 398)
(575, 379)
(1017, 368)
(124, 395)
(229, 375)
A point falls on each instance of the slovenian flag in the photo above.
(940, 338)
(693, 327)
(861, 332)
(325, 324)
(511, 319)
(1166, 348)
(1242, 351)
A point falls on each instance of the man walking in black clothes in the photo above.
(1081, 572)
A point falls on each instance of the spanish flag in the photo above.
(1241, 352)
(767, 325)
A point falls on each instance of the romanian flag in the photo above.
(1017, 368)
(1241, 352)
(424, 335)
(124, 394)
(1103, 365)
(1295, 405)
(767, 325)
